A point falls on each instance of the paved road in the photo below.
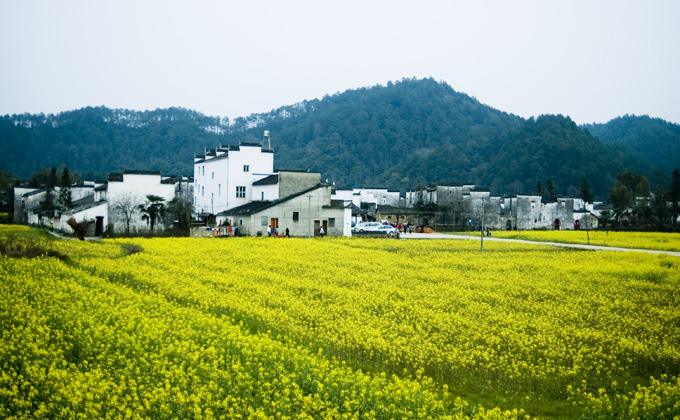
(579, 246)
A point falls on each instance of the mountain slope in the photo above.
(360, 136)
(106, 140)
(401, 135)
(654, 139)
(421, 131)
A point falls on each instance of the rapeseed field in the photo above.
(642, 240)
(334, 328)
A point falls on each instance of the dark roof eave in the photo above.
(245, 209)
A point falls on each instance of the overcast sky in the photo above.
(591, 60)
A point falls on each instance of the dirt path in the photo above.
(579, 246)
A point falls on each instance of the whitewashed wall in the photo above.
(136, 187)
(216, 178)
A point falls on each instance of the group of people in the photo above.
(407, 228)
(276, 232)
(235, 230)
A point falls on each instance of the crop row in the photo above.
(341, 328)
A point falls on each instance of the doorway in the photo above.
(99, 226)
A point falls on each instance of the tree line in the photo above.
(401, 135)
(57, 199)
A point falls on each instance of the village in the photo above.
(236, 191)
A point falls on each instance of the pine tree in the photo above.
(539, 189)
(675, 196)
(65, 189)
(586, 193)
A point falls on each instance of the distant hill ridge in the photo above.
(404, 134)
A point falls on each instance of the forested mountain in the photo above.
(421, 131)
(401, 135)
(654, 139)
(107, 140)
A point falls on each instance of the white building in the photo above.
(224, 177)
(303, 213)
(128, 190)
(103, 203)
(237, 186)
(376, 196)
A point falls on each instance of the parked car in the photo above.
(389, 230)
(368, 226)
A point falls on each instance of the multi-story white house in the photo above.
(237, 186)
(224, 177)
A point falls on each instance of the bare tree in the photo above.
(124, 207)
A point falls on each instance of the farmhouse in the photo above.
(237, 186)
(111, 205)
(224, 177)
(126, 191)
(466, 206)
(303, 213)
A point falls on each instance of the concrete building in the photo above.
(224, 177)
(108, 205)
(465, 206)
(236, 186)
(376, 196)
(126, 191)
(303, 213)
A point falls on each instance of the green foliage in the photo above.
(586, 193)
(107, 140)
(401, 135)
(65, 189)
(675, 195)
(153, 209)
(423, 207)
(48, 206)
(8, 181)
(179, 211)
(654, 139)
(621, 198)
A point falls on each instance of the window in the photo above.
(246, 168)
(202, 191)
(240, 192)
(264, 220)
(296, 216)
(331, 222)
(213, 175)
(262, 195)
(203, 170)
(219, 189)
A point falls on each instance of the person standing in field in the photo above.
(321, 231)
(276, 232)
(269, 230)
(287, 233)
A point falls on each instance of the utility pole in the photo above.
(482, 229)
(309, 211)
(587, 219)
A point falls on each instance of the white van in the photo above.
(368, 227)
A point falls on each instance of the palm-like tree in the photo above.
(153, 209)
